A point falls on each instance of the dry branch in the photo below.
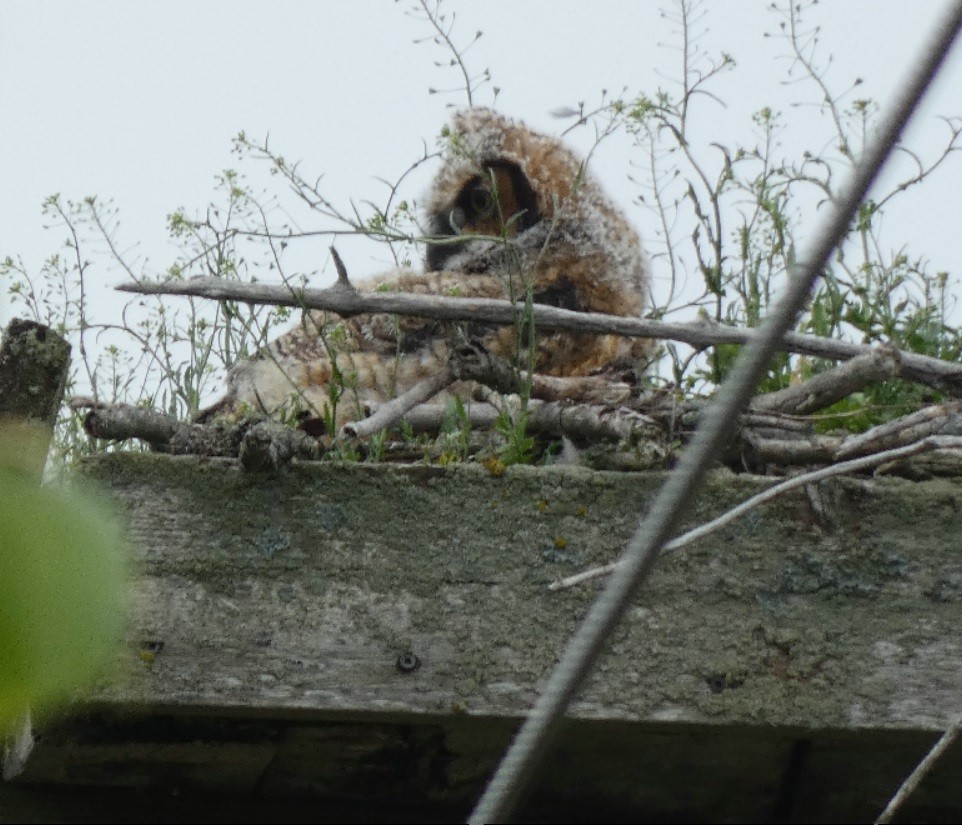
(429, 418)
(117, 423)
(937, 419)
(471, 361)
(928, 444)
(583, 389)
(390, 413)
(271, 445)
(346, 301)
(824, 389)
(776, 422)
(801, 450)
(264, 445)
(591, 422)
(583, 408)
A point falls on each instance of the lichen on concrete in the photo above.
(776, 618)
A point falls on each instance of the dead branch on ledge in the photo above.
(390, 413)
(117, 423)
(585, 409)
(930, 443)
(824, 389)
(344, 300)
(935, 420)
(264, 445)
(270, 445)
(644, 431)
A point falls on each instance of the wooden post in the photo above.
(34, 362)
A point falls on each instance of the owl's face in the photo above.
(522, 208)
(508, 201)
(496, 202)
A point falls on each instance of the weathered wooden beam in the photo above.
(364, 633)
(34, 361)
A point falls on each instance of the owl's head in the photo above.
(501, 180)
(498, 179)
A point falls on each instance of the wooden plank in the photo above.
(302, 591)
(298, 602)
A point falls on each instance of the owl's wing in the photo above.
(368, 357)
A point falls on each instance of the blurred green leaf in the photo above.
(61, 574)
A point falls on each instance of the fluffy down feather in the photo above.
(509, 210)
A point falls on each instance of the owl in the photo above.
(511, 213)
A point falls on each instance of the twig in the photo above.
(922, 769)
(119, 422)
(932, 420)
(393, 411)
(346, 301)
(270, 445)
(471, 361)
(826, 388)
(428, 418)
(930, 443)
(804, 449)
(340, 269)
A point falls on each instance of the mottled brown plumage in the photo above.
(510, 210)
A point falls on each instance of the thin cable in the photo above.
(716, 427)
(920, 771)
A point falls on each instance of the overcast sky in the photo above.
(139, 101)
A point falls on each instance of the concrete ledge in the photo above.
(367, 634)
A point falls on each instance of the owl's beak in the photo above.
(457, 220)
(437, 255)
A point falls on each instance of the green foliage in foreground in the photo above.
(61, 574)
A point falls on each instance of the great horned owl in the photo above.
(510, 211)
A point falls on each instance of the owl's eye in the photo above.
(481, 200)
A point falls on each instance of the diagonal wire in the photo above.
(716, 427)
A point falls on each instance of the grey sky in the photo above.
(138, 101)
